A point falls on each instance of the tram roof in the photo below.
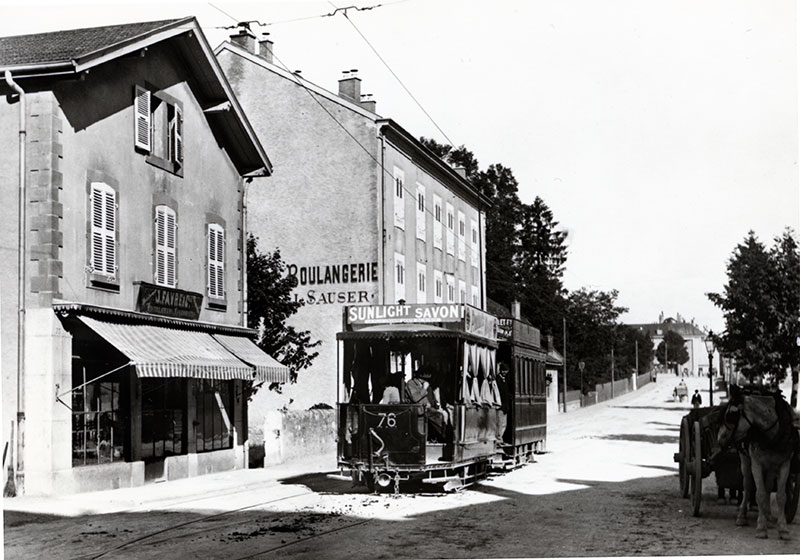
(398, 331)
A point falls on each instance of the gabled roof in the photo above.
(73, 44)
(43, 58)
(683, 329)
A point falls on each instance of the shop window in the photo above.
(103, 236)
(216, 262)
(158, 129)
(214, 413)
(163, 417)
(98, 428)
(166, 231)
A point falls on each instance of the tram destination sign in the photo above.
(404, 313)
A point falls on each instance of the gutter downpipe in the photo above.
(381, 232)
(19, 463)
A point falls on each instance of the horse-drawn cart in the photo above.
(699, 454)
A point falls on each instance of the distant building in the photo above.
(361, 211)
(126, 357)
(693, 336)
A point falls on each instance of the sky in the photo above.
(659, 132)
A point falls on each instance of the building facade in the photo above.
(125, 356)
(693, 336)
(361, 211)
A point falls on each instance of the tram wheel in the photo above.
(369, 480)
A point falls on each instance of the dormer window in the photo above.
(158, 129)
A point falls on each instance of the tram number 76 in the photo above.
(388, 419)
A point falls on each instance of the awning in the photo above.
(163, 352)
(267, 368)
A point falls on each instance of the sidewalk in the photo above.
(163, 494)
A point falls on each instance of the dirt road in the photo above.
(608, 486)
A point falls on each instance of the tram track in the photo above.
(140, 539)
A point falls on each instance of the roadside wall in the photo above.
(294, 434)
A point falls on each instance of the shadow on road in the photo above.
(645, 438)
(673, 408)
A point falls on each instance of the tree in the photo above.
(672, 350)
(786, 258)
(591, 333)
(540, 259)
(751, 304)
(270, 304)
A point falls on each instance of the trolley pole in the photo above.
(564, 323)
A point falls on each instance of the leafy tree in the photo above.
(672, 350)
(786, 258)
(592, 330)
(751, 304)
(270, 304)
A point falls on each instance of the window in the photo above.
(213, 409)
(98, 431)
(422, 287)
(103, 237)
(420, 212)
(399, 198)
(437, 221)
(462, 291)
(438, 285)
(216, 261)
(451, 228)
(474, 250)
(158, 128)
(400, 276)
(476, 297)
(462, 236)
(163, 417)
(166, 241)
(451, 288)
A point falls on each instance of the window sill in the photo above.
(165, 164)
(103, 283)
(219, 305)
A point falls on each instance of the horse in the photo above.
(763, 424)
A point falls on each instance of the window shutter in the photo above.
(216, 261)
(103, 250)
(142, 130)
(166, 258)
(176, 135)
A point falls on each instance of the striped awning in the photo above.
(157, 351)
(267, 368)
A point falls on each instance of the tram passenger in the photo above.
(419, 391)
(502, 387)
(391, 393)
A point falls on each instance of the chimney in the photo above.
(368, 103)
(515, 309)
(245, 39)
(265, 48)
(462, 171)
(549, 342)
(350, 86)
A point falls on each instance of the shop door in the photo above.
(163, 423)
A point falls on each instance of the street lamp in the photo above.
(709, 341)
(581, 365)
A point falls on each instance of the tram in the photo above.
(522, 365)
(418, 397)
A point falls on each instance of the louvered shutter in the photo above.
(103, 253)
(216, 261)
(142, 130)
(176, 135)
(166, 237)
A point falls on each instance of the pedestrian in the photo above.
(697, 400)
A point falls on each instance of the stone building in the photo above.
(125, 356)
(361, 211)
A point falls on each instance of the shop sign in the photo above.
(319, 283)
(480, 323)
(505, 328)
(404, 313)
(160, 300)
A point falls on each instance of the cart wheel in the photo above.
(792, 492)
(697, 481)
(683, 455)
